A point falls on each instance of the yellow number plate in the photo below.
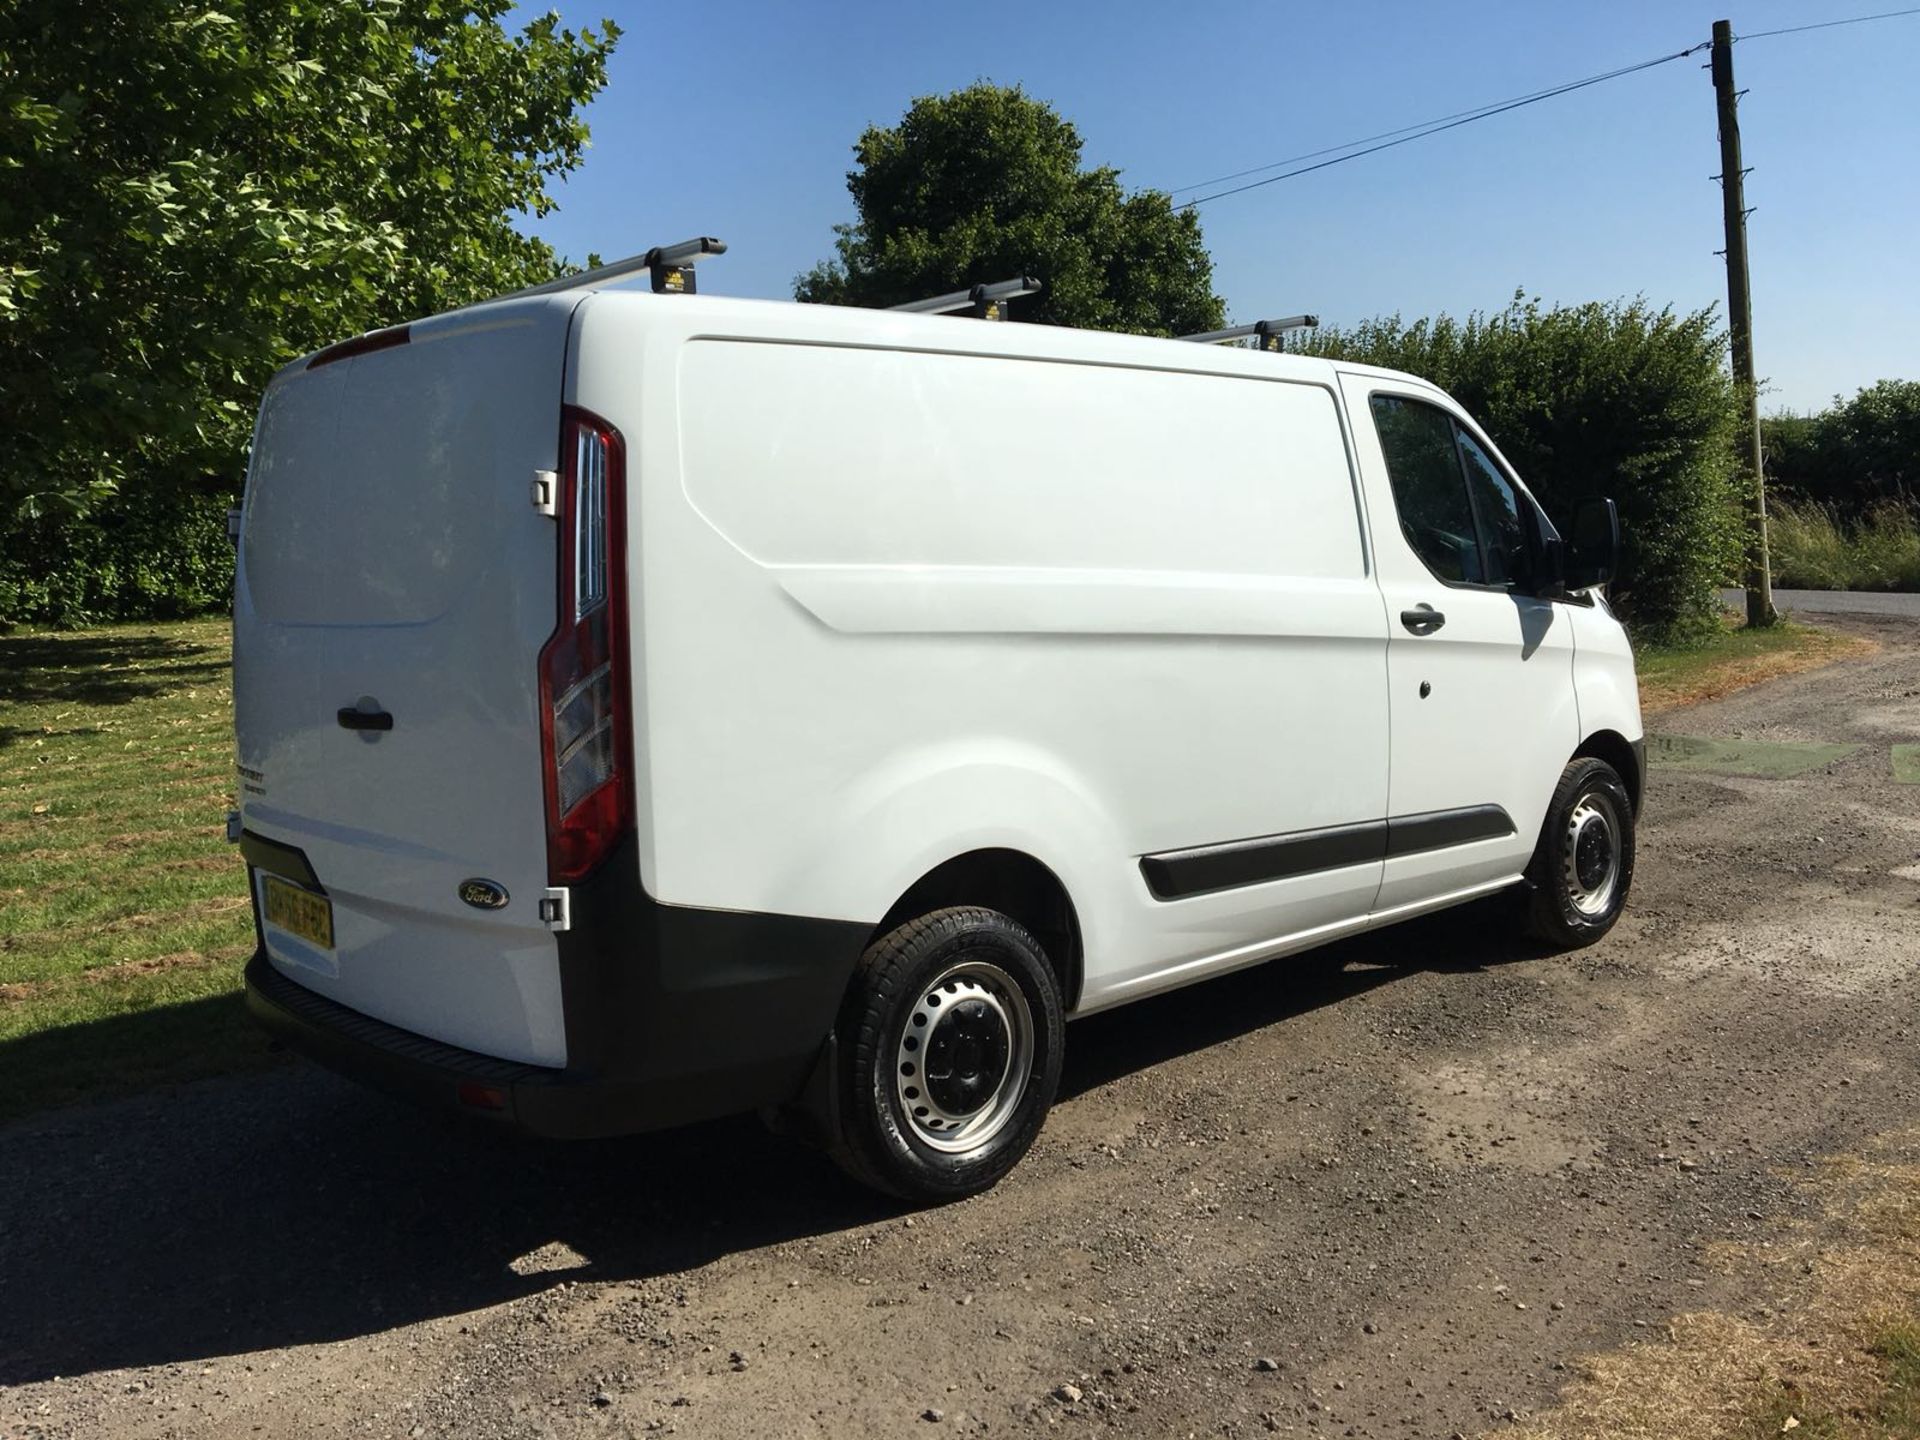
(299, 912)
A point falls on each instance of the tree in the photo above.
(193, 194)
(1854, 455)
(984, 184)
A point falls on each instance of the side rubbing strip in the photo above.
(1179, 874)
(1437, 829)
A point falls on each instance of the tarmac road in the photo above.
(1419, 1174)
(1834, 602)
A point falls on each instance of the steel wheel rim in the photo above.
(1593, 854)
(963, 1057)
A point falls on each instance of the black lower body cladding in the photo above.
(673, 1014)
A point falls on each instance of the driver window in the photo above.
(1423, 466)
(1499, 507)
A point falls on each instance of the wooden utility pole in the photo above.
(1733, 192)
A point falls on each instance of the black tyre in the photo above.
(950, 1044)
(1583, 866)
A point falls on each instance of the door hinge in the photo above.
(556, 908)
(234, 826)
(546, 492)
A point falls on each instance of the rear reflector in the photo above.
(585, 721)
(476, 1096)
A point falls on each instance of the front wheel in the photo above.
(1583, 865)
(951, 1042)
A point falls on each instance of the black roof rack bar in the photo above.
(986, 302)
(1268, 332)
(664, 262)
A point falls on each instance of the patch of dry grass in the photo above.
(1671, 676)
(1840, 1361)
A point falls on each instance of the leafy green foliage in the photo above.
(1614, 399)
(1855, 455)
(984, 184)
(190, 196)
(151, 553)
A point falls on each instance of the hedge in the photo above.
(1607, 398)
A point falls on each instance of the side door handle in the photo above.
(1422, 620)
(351, 717)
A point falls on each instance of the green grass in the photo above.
(1813, 551)
(123, 911)
(1731, 659)
(1894, 1414)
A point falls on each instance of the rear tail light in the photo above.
(585, 716)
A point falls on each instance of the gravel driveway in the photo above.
(1392, 1189)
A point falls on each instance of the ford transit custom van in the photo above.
(656, 706)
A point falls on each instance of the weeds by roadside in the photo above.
(1814, 551)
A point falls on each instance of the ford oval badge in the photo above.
(483, 894)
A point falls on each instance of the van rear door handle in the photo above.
(1423, 620)
(353, 718)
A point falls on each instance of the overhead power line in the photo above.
(1435, 127)
(1333, 149)
(1829, 24)
(1389, 139)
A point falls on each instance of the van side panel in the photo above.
(897, 604)
(828, 455)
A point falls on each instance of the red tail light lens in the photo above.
(585, 713)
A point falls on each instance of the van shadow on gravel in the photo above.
(294, 1208)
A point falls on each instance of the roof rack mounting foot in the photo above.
(982, 302)
(670, 267)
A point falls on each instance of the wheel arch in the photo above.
(1622, 754)
(1019, 887)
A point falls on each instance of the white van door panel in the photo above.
(1480, 679)
(390, 560)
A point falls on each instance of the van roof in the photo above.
(794, 322)
(790, 320)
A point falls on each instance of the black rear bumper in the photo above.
(673, 1015)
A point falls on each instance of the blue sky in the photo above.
(737, 120)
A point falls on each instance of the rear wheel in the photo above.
(1583, 864)
(951, 1044)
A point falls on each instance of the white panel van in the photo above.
(657, 706)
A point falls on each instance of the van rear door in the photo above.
(396, 584)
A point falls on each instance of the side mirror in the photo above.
(1593, 544)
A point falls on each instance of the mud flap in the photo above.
(813, 1116)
